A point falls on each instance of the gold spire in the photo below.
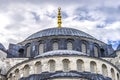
(59, 18)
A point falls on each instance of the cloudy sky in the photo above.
(21, 18)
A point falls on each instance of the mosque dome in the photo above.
(59, 32)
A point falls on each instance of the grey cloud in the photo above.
(110, 14)
(18, 17)
(14, 26)
(82, 12)
(36, 16)
(52, 15)
(1, 34)
(12, 40)
(88, 3)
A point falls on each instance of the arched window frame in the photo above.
(38, 67)
(96, 52)
(55, 45)
(26, 70)
(21, 52)
(118, 77)
(69, 45)
(104, 70)
(11, 76)
(112, 74)
(84, 50)
(52, 65)
(93, 67)
(80, 65)
(28, 50)
(41, 47)
(102, 52)
(66, 65)
(17, 74)
(52, 44)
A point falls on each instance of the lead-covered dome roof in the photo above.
(59, 32)
(61, 52)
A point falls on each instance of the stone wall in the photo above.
(59, 65)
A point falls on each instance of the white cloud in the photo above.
(4, 20)
(18, 20)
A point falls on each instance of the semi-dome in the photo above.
(59, 32)
(61, 52)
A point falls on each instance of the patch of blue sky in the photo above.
(114, 43)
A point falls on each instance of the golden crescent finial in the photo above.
(59, 18)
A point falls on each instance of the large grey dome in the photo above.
(60, 31)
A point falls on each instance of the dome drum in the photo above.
(83, 65)
(60, 43)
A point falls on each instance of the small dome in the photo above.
(118, 48)
(59, 32)
(2, 54)
(61, 52)
(2, 47)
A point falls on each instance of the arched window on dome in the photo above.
(66, 63)
(102, 52)
(51, 65)
(112, 74)
(84, 48)
(26, 70)
(93, 67)
(80, 65)
(69, 45)
(96, 51)
(104, 70)
(17, 74)
(28, 51)
(41, 48)
(55, 45)
(118, 78)
(21, 52)
(38, 67)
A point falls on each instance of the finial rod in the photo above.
(59, 18)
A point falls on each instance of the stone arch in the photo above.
(26, 70)
(11, 76)
(112, 74)
(93, 67)
(17, 74)
(52, 65)
(118, 78)
(104, 70)
(80, 65)
(96, 50)
(0, 70)
(66, 65)
(38, 67)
